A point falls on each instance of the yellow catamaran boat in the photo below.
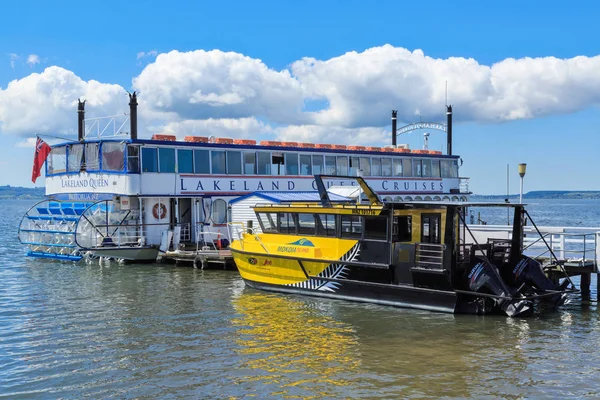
(418, 255)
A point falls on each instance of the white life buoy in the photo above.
(159, 211)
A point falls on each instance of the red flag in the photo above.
(41, 153)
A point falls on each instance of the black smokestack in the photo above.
(80, 120)
(449, 128)
(133, 115)
(394, 114)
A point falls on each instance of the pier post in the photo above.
(586, 278)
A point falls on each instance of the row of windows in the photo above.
(169, 160)
(119, 157)
(341, 226)
(106, 156)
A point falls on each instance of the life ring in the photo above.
(159, 211)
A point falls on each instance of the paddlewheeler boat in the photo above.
(407, 254)
(112, 194)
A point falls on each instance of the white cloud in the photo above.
(249, 128)
(214, 84)
(29, 142)
(371, 136)
(47, 102)
(13, 59)
(33, 59)
(142, 54)
(361, 88)
(345, 99)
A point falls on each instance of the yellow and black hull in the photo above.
(330, 268)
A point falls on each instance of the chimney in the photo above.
(394, 114)
(133, 115)
(80, 120)
(449, 128)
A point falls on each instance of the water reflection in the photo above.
(291, 348)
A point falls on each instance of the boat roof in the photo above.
(294, 197)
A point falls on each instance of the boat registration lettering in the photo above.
(365, 212)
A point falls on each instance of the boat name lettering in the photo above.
(189, 184)
(292, 249)
(92, 183)
(421, 125)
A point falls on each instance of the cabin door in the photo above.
(430, 228)
(185, 219)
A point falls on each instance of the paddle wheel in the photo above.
(48, 229)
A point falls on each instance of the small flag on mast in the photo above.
(41, 153)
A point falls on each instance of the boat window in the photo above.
(454, 169)
(417, 171)
(113, 156)
(351, 226)
(375, 166)
(407, 167)
(219, 211)
(217, 159)
(92, 159)
(291, 163)
(402, 229)
(341, 165)
(426, 168)
(268, 222)
(397, 163)
(277, 164)
(166, 160)
(353, 166)
(201, 162)
(386, 166)
(329, 165)
(264, 162)
(365, 166)
(234, 162)
(249, 163)
(430, 228)
(435, 168)
(306, 224)
(305, 165)
(446, 168)
(317, 165)
(75, 157)
(149, 159)
(287, 223)
(376, 228)
(185, 161)
(57, 160)
(133, 159)
(325, 225)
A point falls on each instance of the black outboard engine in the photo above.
(485, 276)
(530, 272)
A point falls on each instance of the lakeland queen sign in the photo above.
(193, 185)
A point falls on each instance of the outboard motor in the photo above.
(485, 275)
(530, 271)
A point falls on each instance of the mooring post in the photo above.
(586, 278)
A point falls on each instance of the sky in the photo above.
(523, 77)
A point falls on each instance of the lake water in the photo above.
(74, 330)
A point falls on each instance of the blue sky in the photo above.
(104, 42)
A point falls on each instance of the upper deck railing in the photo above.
(106, 127)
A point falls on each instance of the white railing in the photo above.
(101, 127)
(569, 244)
(463, 185)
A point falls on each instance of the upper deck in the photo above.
(163, 166)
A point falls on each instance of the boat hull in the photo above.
(134, 253)
(334, 279)
(388, 295)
